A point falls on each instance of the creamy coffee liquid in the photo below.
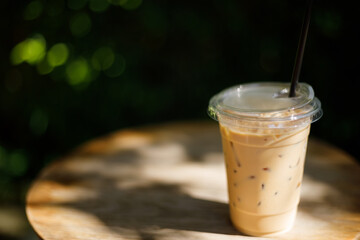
(264, 174)
(264, 136)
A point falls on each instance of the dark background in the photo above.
(162, 61)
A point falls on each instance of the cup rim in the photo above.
(308, 106)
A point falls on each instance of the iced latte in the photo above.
(264, 135)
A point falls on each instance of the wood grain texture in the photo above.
(168, 182)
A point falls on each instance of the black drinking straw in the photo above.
(300, 50)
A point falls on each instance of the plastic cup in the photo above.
(264, 136)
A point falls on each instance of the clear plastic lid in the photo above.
(265, 101)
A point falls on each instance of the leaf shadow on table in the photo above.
(127, 202)
(334, 179)
(144, 210)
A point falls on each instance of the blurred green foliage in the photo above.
(77, 69)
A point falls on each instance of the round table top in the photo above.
(168, 182)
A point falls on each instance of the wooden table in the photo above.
(168, 182)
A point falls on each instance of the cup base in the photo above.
(262, 225)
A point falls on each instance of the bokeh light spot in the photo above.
(98, 5)
(16, 55)
(33, 10)
(31, 50)
(117, 68)
(103, 58)
(131, 4)
(57, 55)
(80, 24)
(78, 72)
(76, 4)
(35, 51)
(38, 122)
